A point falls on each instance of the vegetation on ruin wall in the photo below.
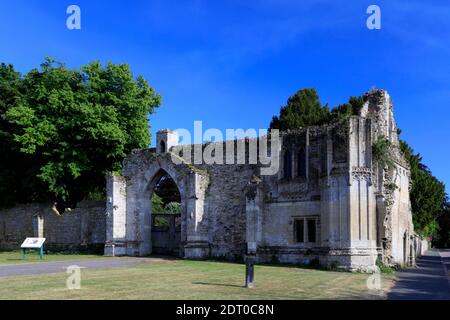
(427, 194)
(62, 130)
(428, 199)
(381, 152)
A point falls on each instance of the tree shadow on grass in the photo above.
(218, 284)
(18, 259)
(28, 260)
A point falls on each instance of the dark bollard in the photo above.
(249, 271)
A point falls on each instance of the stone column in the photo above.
(197, 242)
(116, 208)
(362, 204)
(38, 226)
(254, 212)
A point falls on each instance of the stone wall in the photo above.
(82, 229)
(359, 209)
(423, 247)
(401, 221)
(225, 211)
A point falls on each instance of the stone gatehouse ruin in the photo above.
(329, 202)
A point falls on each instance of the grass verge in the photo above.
(183, 279)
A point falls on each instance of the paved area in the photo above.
(445, 255)
(61, 266)
(429, 281)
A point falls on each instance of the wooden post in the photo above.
(249, 270)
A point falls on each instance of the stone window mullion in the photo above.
(305, 230)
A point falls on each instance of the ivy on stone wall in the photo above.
(382, 152)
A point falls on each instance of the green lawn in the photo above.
(183, 279)
(15, 257)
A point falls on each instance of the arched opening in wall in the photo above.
(162, 147)
(166, 215)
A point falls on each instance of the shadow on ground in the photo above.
(428, 281)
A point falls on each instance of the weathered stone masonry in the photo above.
(81, 229)
(329, 201)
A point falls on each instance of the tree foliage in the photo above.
(158, 205)
(428, 197)
(167, 189)
(166, 197)
(16, 168)
(173, 207)
(67, 128)
(304, 109)
(443, 238)
(351, 108)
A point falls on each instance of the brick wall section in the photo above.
(82, 229)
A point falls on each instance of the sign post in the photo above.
(249, 271)
(34, 244)
(250, 259)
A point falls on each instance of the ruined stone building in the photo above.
(330, 201)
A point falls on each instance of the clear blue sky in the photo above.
(232, 63)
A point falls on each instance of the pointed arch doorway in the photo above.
(129, 207)
(165, 215)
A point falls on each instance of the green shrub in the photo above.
(384, 268)
(274, 259)
(381, 151)
(314, 263)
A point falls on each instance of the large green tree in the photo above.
(443, 238)
(301, 110)
(428, 197)
(305, 109)
(350, 108)
(71, 126)
(16, 168)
